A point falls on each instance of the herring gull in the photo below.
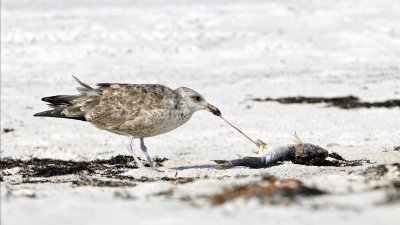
(134, 110)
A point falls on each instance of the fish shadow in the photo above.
(207, 166)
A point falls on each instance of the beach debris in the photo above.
(95, 173)
(8, 130)
(387, 171)
(299, 153)
(98, 182)
(36, 167)
(345, 102)
(270, 190)
(393, 194)
(124, 194)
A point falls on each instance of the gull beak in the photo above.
(214, 110)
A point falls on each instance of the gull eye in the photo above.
(196, 98)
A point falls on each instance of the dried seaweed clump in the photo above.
(54, 167)
(272, 191)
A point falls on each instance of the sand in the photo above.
(230, 52)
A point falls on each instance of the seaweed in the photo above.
(36, 167)
(271, 191)
(345, 102)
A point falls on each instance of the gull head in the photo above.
(196, 101)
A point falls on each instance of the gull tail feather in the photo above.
(58, 113)
(86, 90)
(68, 106)
(59, 100)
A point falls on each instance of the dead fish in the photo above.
(301, 153)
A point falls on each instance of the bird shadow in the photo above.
(207, 166)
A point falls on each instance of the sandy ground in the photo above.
(229, 51)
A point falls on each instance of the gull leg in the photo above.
(130, 149)
(144, 150)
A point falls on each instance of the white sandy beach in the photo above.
(229, 51)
